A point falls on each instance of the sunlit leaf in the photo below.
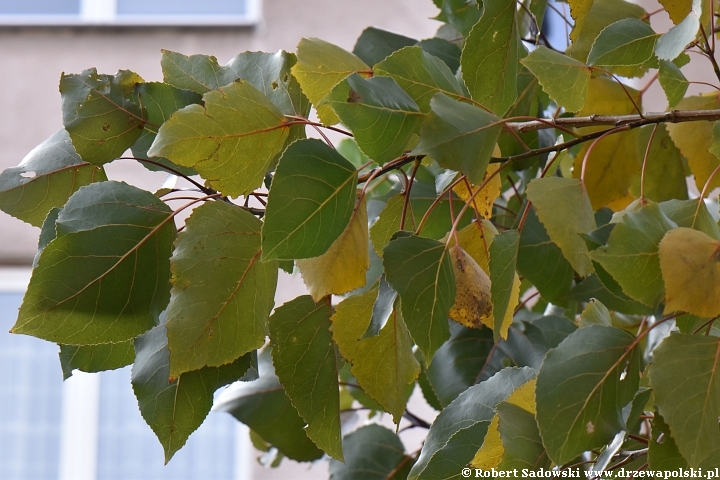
(624, 43)
(230, 141)
(563, 78)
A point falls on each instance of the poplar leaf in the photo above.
(321, 66)
(521, 439)
(456, 435)
(624, 43)
(690, 266)
(665, 175)
(459, 136)
(695, 138)
(582, 387)
(174, 408)
(310, 203)
(95, 358)
(684, 377)
(342, 268)
(221, 293)
(380, 114)
(563, 78)
(677, 10)
(420, 271)
(663, 452)
(372, 452)
(579, 10)
(505, 284)
(548, 195)
(105, 277)
(691, 214)
(374, 44)
(388, 223)
(100, 114)
(304, 358)
(421, 75)
(483, 201)
(198, 73)
(673, 42)
(472, 306)
(595, 313)
(230, 141)
(461, 14)
(631, 254)
(476, 239)
(673, 82)
(45, 179)
(490, 57)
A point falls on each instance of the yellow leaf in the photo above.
(472, 306)
(342, 268)
(579, 10)
(491, 452)
(509, 313)
(475, 239)
(690, 265)
(694, 138)
(483, 201)
(677, 9)
(607, 97)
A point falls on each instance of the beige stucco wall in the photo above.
(31, 60)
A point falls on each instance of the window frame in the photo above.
(91, 16)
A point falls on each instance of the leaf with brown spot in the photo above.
(472, 307)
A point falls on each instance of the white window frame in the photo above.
(104, 13)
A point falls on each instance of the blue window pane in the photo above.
(30, 400)
(127, 448)
(181, 7)
(40, 7)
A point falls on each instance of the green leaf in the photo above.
(684, 376)
(541, 261)
(459, 136)
(304, 358)
(520, 438)
(380, 114)
(631, 255)
(263, 406)
(663, 452)
(421, 75)
(592, 287)
(673, 42)
(99, 113)
(601, 14)
(445, 50)
(553, 194)
(95, 358)
(563, 78)
(419, 270)
(310, 202)
(105, 278)
(627, 42)
(374, 44)
(371, 452)
(459, 430)
(595, 313)
(230, 141)
(174, 408)
(222, 294)
(664, 171)
(503, 258)
(160, 100)
(582, 388)
(691, 214)
(490, 57)
(461, 14)
(673, 82)
(199, 73)
(45, 179)
(321, 66)
(388, 223)
(384, 365)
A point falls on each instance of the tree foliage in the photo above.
(502, 226)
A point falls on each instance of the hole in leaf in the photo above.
(274, 85)
(590, 427)
(30, 174)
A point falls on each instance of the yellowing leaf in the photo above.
(579, 10)
(321, 66)
(677, 9)
(607, 97)
(690, 265)
(342, 268)
(492, 451)
(472, 307)
(475, 239)
(694, 138)
(483, 201)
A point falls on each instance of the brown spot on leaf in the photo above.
(354, 97)
(106, 127)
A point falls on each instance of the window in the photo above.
(129, 12)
